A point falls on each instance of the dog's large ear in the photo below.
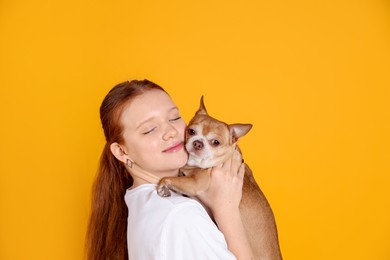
(202, 109)
(239, 130)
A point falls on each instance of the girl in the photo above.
(145, 142)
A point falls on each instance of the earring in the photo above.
(129, 163)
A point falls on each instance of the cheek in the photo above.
(148, 145)
(140, 147)
(182, 129)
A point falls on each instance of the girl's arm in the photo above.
(223, 198)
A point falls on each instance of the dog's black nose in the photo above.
(197, 145)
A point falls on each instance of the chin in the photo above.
(177, 160)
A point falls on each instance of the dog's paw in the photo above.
(163, 191)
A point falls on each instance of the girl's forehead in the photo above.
(150, 100)
(153, 103)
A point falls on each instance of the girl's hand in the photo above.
(223, 198)
(224, 193)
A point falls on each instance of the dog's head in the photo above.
(209, 141)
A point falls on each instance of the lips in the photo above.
(174, 148)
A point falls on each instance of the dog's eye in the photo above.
(215, 142)
(191, 131)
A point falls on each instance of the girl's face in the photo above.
(154, 134)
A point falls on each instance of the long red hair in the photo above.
(107, 229)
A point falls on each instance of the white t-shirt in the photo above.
(171, 228)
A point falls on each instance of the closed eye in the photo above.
(149, 131)
(175, 119)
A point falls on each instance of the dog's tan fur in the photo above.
(256, 213)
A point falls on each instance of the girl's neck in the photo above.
(143, 177)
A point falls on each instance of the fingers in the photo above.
(241, 171)
(233, 165)
(236, 162)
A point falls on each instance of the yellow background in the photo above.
(311, 76)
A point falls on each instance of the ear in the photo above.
(118, 151)
(202, 109)
(239, 130)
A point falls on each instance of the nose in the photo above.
(198, 145)
(170, 132)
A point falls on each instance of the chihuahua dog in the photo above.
(209, 143)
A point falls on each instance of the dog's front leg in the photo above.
(188, 185)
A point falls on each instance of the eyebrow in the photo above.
(151, 118)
